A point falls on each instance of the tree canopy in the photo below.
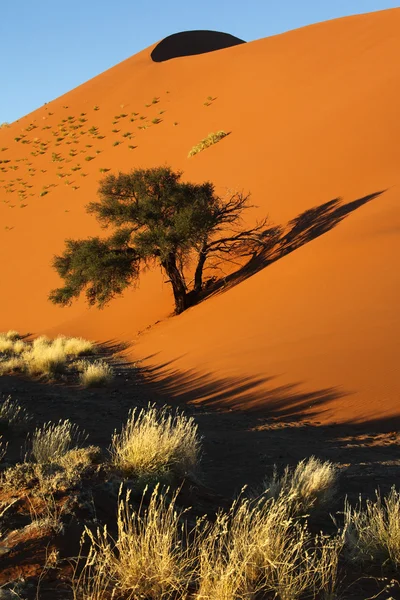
(156, 219)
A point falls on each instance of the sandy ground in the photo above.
(312, 116)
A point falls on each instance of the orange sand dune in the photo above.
(313, 115)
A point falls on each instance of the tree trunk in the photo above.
(178, 286)
(198, 276)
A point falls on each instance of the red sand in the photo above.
(313, 115)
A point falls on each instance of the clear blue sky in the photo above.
(48, 47)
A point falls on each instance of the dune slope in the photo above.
(312, 116)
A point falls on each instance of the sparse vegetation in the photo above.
(96, 374)
(52, 441)
(311, 483)
(157, 444)
(372, 534)
(43, 356)
(208, 141)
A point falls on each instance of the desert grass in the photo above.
(208, 141)
(260, 547)
(157, 444)
(372, 535)
(96, 374)
(12, 413)
(11, 334)
(43, 356)
(75, 346)
(52, 441)
(149, 558)
(255, 548)
(312, 483)
(3, 448)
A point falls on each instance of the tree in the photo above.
(157, 218)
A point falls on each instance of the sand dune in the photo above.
(313, 116)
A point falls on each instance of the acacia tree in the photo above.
(157, 218)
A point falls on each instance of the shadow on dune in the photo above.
(250, 425)
(250, 394)
(189, 43)
(301, 230)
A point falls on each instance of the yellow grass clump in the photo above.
(311, 483)
(41, 357)
(254, 548)
(3, 448)
(156, 443)
(149, 558)
(53, 440)
(211, 139)
(372, 535)
(11, 412)
(95, 374)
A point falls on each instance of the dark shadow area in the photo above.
(249, 394)
(248, 424)
(189, 43)
(301, 230)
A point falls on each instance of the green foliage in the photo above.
(156, 219)
(101, 268)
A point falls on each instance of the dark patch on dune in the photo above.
(188, 43)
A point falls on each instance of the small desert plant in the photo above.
(372, 534)
(156, 444)
(74, 346)
(12, 413)
(45, 358)
(149, 559)
(96, 374)
(12, 335)
(311, 483)
(211, 139)
(3, 448)
(12, 365)
(53, 440)
(259, 547)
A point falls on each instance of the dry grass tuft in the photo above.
(96, 374)
(43, 356)
(75, 346)
(260, 547)
(311, 483)
(149, 559)
(157, 444)
(12, 335)
(255, 548)
(45, 359)
(12, 365)
(12, 413)
(372, 535)
(210, 140)
(52, 441)
(3, 448)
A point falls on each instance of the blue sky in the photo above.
(48, 47)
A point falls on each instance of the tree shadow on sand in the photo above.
(251, 424)
(301, 230)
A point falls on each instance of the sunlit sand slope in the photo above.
(312, 116)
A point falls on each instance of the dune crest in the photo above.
(190, 43)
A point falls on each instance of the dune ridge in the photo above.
(313, 116)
